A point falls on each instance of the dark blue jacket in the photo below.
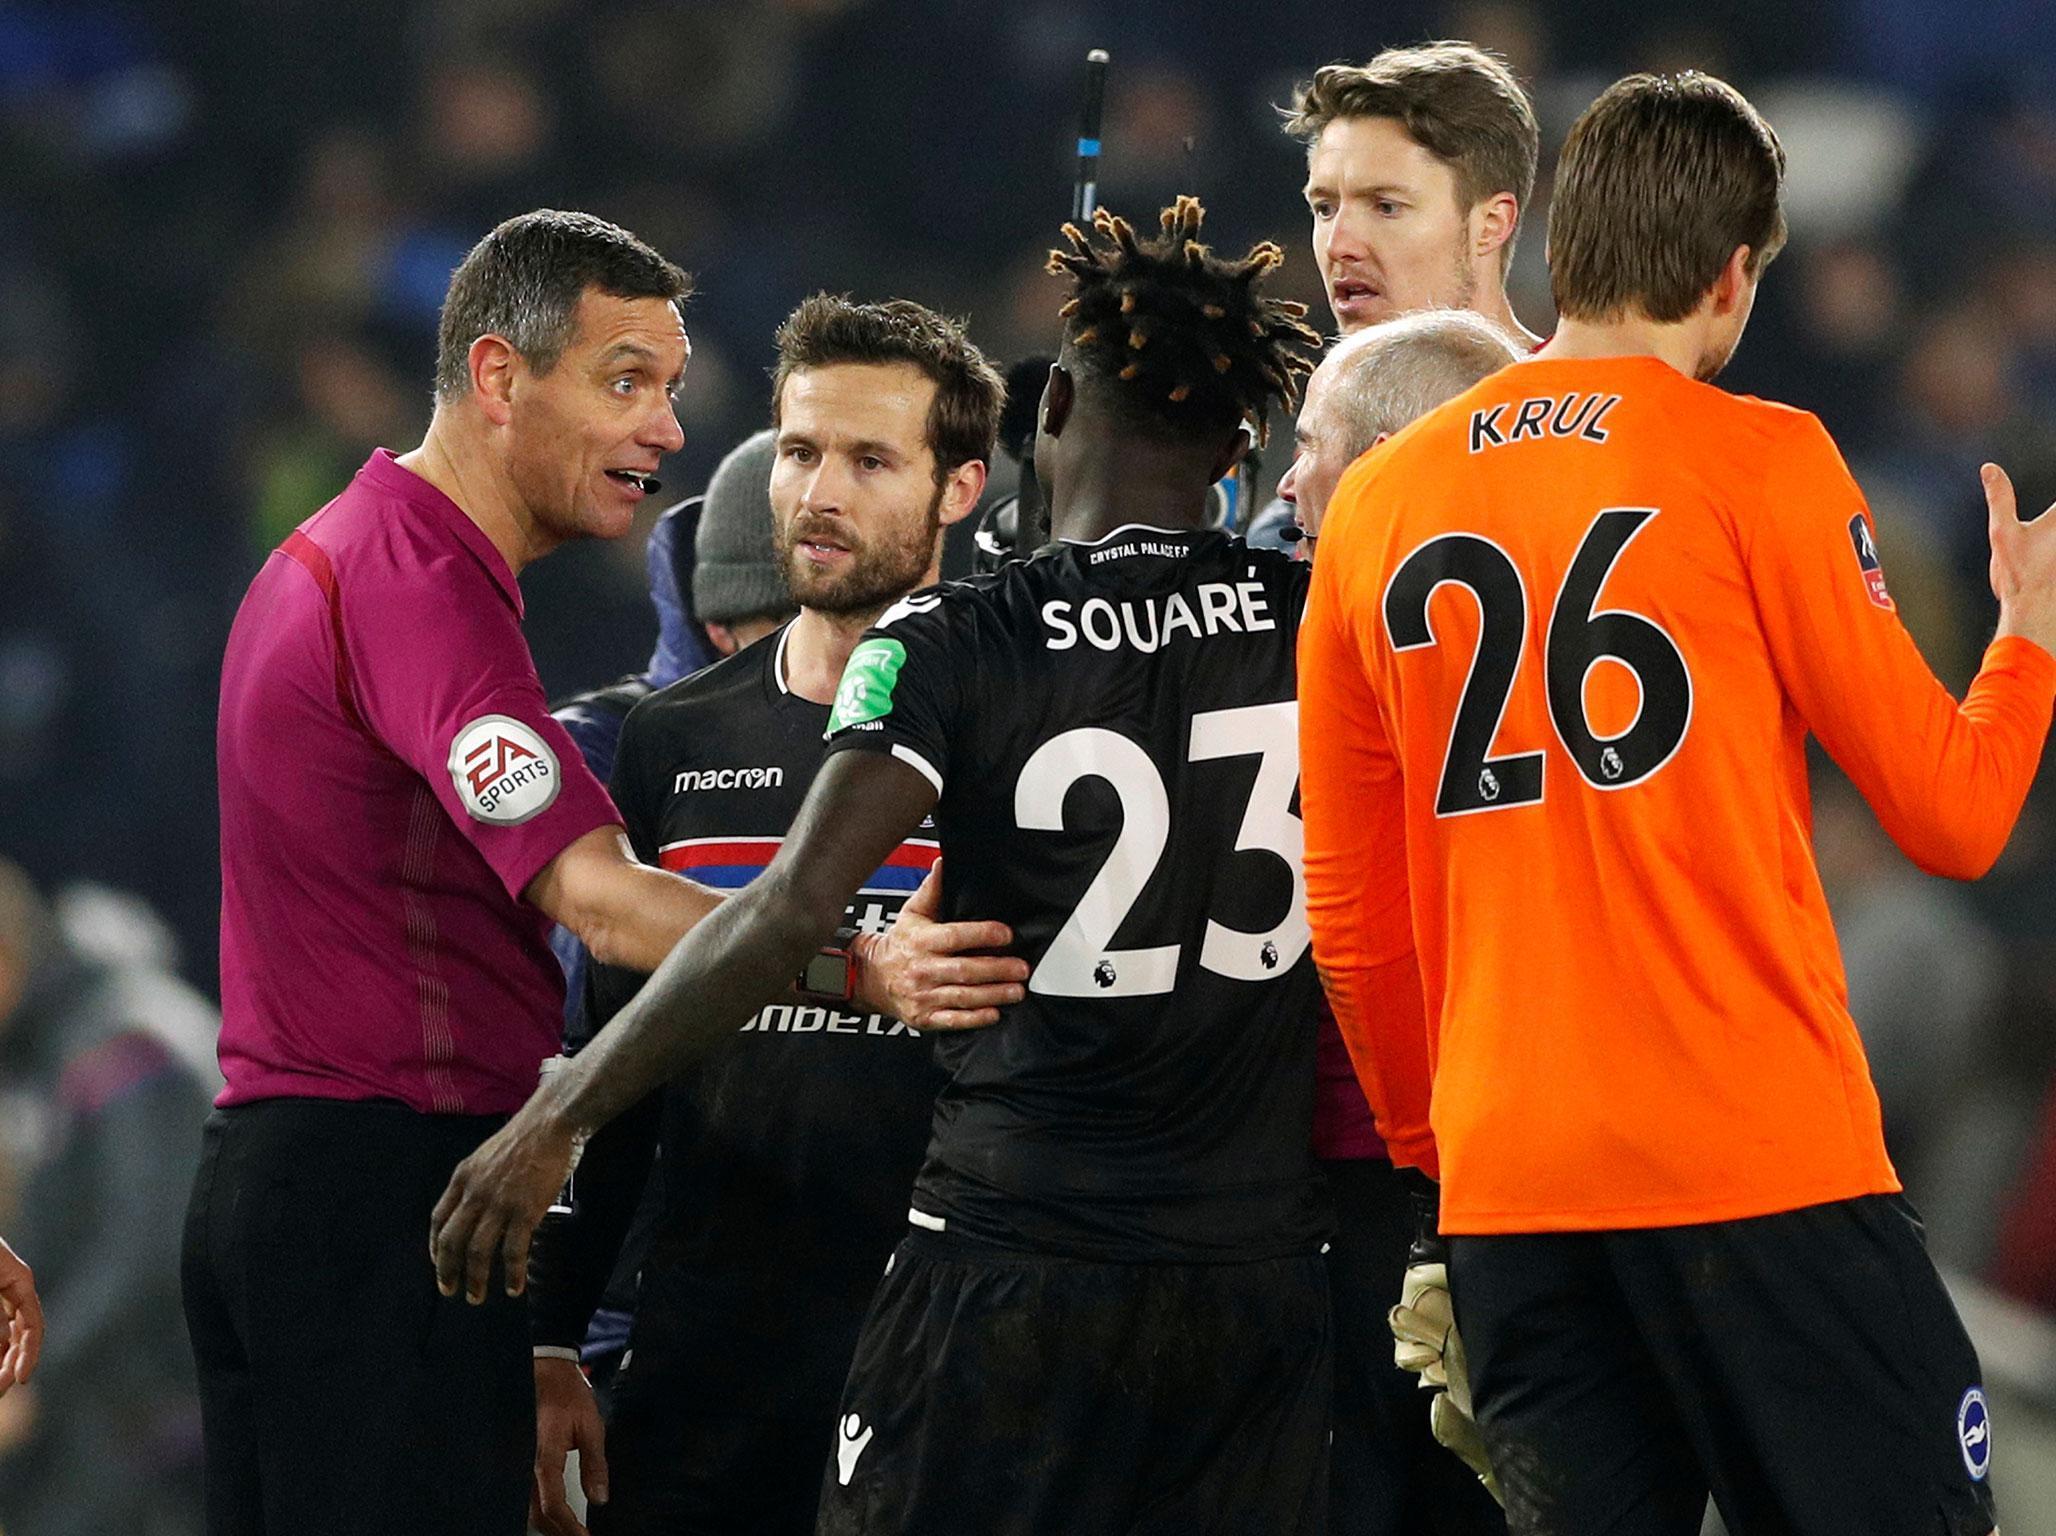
(594, 718)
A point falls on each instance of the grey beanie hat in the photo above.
(735, 564)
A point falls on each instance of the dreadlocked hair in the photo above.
(1186, 339)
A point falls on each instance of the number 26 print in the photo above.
(1580, 637)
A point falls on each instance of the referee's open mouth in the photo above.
(640, 481)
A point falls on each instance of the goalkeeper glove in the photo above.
(1425, 1341)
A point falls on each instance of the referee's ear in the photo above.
(492, 359)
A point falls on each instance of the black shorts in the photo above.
(1010, 1394)
(339, 1391)
(1389, 1476)
(1808, 1369)
(672, 1470)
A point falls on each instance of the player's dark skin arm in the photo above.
(740, 957)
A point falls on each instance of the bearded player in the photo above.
(1116, 1232)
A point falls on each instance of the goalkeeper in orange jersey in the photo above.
(1568, 636)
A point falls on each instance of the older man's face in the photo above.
(586, 437)
(1321, 454)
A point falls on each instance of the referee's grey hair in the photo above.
(523, 282)
(1390, 374)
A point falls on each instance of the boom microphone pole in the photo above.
(1031, 513)
(1235, 494)
(1085, 193)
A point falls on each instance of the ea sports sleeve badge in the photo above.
(1867, 561)
(503, 771)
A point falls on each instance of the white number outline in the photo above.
(1267, 824)
(1080, 950)
(1078, 962)
(1470, 675)
(1548, 643)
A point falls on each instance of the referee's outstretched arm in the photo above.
(626, 913)
(862, 806)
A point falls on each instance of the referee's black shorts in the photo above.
(1808, 1369)
(339, 1392)
(674, 1468)
(1017, 1394)
(1389, 1475)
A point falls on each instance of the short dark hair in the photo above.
(1456, 100)
(523, 282)
(1659, 181)
(1187, 342)
(963, 419)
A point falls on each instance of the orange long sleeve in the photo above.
(1356, 887)
(1567, 638)
(1947, 780)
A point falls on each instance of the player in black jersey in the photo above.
(786, 1155)
(715, 587)
(1111, 1315)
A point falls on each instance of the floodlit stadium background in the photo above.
(225, 227)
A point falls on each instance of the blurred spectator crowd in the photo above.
(225, 228)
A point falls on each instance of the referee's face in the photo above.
(584, 437)
(853, 490)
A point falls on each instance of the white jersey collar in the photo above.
(1128, 528)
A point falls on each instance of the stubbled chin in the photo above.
(806, 578)
(612, 519)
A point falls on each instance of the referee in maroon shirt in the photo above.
(401, 821)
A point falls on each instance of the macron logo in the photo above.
(727, 778)
(849, 1445)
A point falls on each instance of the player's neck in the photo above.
(1681, 344)
(1113, 482)
(455, 465)
(819, 648)
(1496, 307)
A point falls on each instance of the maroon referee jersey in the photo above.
(390, 781)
